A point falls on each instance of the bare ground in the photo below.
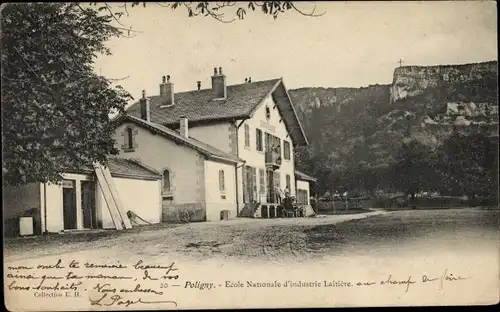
(278, 239)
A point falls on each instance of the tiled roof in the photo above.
(304, 177)
(199, 105)
(130, 167)
(203, 148)
(122, 167)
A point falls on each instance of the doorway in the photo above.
(69, 204)
(88, 204)
(250, 185)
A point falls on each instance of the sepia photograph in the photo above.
(249, 154)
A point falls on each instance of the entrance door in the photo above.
(69, 204)
(88, 205)
(250, 185)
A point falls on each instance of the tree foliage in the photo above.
(229, 11)
(54, 107)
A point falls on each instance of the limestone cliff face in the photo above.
(413, 80)
(424, 103)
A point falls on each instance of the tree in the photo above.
(55, 109)
(468, 164)
(414, 169)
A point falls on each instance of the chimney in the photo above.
(249, 79)
(145, 107)
(198, 84)
(219, 84)
(167, 91)
(183, 126)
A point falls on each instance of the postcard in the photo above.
(240, 155)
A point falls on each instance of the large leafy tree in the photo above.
(414, 170)
(469, 165)
(55, 109)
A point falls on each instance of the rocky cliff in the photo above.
(414, 80)
(352, 127)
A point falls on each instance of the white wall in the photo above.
(216, 135)
(255, 158)
(160, 153)
(304, 185)
(214, 201)
(140, 196)
(54, 201)
(143, 197)
(54, 208)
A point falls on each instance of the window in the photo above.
(288, 183)
(286, 150)
(129, 143)
(268, 113)
(247, 135)
(277, 145)
(166, 181)
(130, 138)
(277, 178)
(302, 197)
(258, 141)
(222, 185)
(262, 182)
(272, 143)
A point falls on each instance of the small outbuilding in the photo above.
(79, 201)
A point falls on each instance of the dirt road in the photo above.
(281, 239)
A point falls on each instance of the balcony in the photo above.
(273, 160)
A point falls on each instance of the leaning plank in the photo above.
(113, 211)
(116, 197)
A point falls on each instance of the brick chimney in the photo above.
(219, 84)
(183, 126)
(167, 91)
(145, 107)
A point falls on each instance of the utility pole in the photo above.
(400, 62)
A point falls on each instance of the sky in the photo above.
(353, 44)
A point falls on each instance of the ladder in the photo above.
(115, 206)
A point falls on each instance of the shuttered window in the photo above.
(262, 181)
(222, 185)
(247, 135)
(258, 140)
(286, 150)
(302, 197)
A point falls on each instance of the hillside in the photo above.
(354, 128)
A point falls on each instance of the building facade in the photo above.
(78, 202)
(198, 180)
(253, 121)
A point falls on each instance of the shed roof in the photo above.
(304, 177)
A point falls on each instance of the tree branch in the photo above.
(307, 14)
